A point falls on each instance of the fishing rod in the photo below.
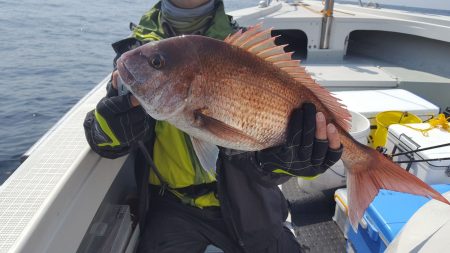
(424, 160)
(410, 162)
(420, 149)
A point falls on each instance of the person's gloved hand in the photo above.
(311, 146)
(112, 88)
(126, 119)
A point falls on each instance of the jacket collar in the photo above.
(151, 27)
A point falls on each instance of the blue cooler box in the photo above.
(384, 218)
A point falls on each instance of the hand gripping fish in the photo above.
(239, 94)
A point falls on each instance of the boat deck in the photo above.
(312, 219)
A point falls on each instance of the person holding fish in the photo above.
(221, 120)
(212, 194)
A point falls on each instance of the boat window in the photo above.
(297, 42)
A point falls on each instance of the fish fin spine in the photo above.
(259, 41)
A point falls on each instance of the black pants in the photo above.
(173, 227)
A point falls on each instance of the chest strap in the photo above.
(164, 184)
(191, 191)
(195, 191)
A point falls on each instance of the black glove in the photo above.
(127, 124)
(302, 154)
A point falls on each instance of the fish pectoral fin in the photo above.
(207, 154)
(222, 130)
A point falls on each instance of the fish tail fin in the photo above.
(366, 177)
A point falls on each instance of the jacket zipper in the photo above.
(233, 223)
(240, 241)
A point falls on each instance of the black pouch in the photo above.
(124, 45)
(121, 47)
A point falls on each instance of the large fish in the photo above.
(239, 93)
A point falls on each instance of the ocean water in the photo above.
(52, 52)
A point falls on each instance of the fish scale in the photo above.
(267, 107)
(252, 114)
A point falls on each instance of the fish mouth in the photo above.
(124, 73)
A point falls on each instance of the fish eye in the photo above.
(157, 61)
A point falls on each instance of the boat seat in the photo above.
(351, 76)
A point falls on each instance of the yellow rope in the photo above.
(437, 122)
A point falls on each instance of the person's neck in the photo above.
(171, 10)
(188, 4)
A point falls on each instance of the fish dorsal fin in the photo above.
(259, 41)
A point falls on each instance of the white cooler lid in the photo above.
(426, 231)
(415, 139)
(370, 102)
